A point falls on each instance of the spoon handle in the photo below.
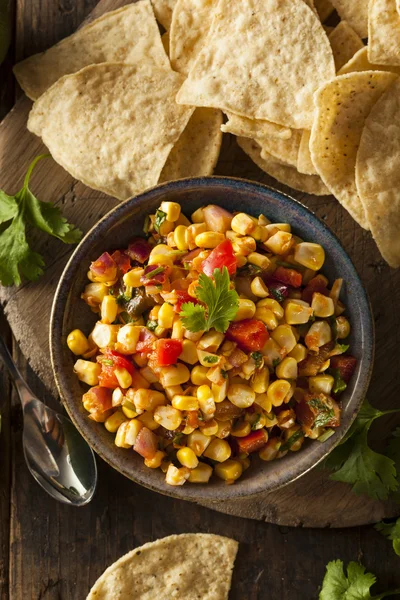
(23, 389)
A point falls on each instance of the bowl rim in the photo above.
(194, 493)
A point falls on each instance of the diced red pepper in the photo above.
(110, 361)
(161, 273)
(253, 442)
(146, 341)
(139, 249)
(146, 443)
(316, 284)
(122, 261)
(345, 364)
(168, 352)
(222, 256)
(289, 276)
(251, 335)
(183, 297)
(104, 268)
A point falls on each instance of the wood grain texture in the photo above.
(28, 308)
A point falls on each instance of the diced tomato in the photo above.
(345, 364)
(97, 401)
(139, 249)
(122, 261)
(288, 276)
(161, 273)
(107, 377)
(316, 284)
(183, 297)
(146, 341)
(222, 256)
(250, 334)
(104, 268)
(119, 360)
(168, 352)
(318, 410)
(310, 366)
(253, 442)
(110, 361)
(146, 443)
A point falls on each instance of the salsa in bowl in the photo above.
(220, 341)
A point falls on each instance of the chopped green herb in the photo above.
(211, 359)
(248, 270)
(152, 325)
(161, 216)
(123, 298)
(340, 385)
(256, 422)
(177, 439)
(108, 362)
(126, 318)
(276, 362)
(295, 437)
(155, 272)
(341, 348)
(325, 413)
(146, 224)
(258, 358)
(276, 294)
(224, 373)
(326, 435)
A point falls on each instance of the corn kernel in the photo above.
(201, 474)
(210, 341)
(104, 335)
(274, 227)
(272, 305)
(172, 210)
(287, 369)
(189, 352)
(132, 277)
(241, 395)
(209, 427)
(198, 216)
(198, 442)
(129, 410)
(174, 375)
(296, 313)
(279, 391)
(187, 458)
(182, 220)
(310, 255)
(260, 381)
(155, 462)
(259, 260)
(206, 400)
(87, 371)
(180, 238)
(218, 450)
(94, 293)
(260, 234)
(127, 338)
(241, 429)
(322, 305)
(283, 335)
(342, 328)
(271, 449)
(176, 476)
(264, 401)
(229, 470)
(161, 255)
(198, 376)
(208, 359)
(147, 420)
(169, 417)
(243, 224)
(123, 376)
(321, 383)
(178, 329)
(114, 421)
(149, 375)
(191, 233)
(224, 429)
(262, 220)
(240, 260)
(145, 399)
(209, 239)
(258, 288)
(299, 352)
(219, 391)
(109, 309)
(244, 245)
(120, 439)
(318, 335)
(185, 402)
(77, 342)
(175, 390)
(117, 397)
(280, 242)
(166, 316)
(266, 315)
(272, 353)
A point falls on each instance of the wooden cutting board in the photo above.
(314, 500)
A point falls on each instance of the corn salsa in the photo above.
(218, 338)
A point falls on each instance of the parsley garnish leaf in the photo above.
(16, 257)
(392, 532)
(221, 304)
(355, 586)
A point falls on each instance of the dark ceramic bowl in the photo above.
(115, 230)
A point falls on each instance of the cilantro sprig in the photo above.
(355, 585)
(16, 212)
(220, 304)
(392, 532)
(355, 463)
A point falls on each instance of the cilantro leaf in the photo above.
(16, 257)
(392, 532)
(159, 219)
(339, 384)
(355, 586)
(221, 304)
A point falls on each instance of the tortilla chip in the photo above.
(254, 129)
(360, 62)
(324, 9)
(304, 162)
(262, 60)
(384, 33)
(163, 10)
(342, 107)
(311, 4)
(197, 151)
(378, 173)
(328, 30)
(191, 22)
(112, 126)
(345, 43)
(311, 184)
(184, 567)
(129, 34)
(355, 12)
(285, 151)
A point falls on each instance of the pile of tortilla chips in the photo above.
(300, 95)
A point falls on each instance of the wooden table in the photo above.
(51, 551)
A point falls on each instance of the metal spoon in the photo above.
(57, 456)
